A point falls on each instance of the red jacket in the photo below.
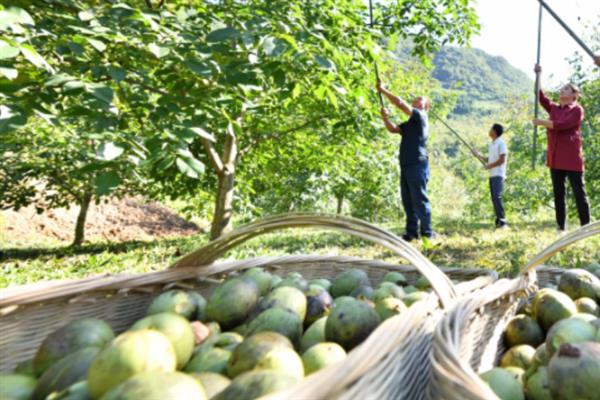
(565, 150)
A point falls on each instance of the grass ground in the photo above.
(462, 244)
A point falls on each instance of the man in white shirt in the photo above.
(496, 165)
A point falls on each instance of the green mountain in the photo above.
(486, 82)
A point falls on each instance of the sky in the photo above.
(509, 29)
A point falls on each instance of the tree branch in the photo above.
(275, 135)
(230, 155)
(58, 182)
(150, 88)
(213, 156)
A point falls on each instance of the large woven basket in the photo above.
(469, 341)
(29, 313)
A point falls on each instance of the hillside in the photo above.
(485, 80)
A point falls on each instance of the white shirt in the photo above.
(496, 149)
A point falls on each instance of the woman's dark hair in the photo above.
(499, 129)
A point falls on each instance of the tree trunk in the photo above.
(340, 203)
(224, 202)
(223, 206)
(80, 225)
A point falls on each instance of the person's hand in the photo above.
(537, 122)
(379, 86)
(597, 60)
(537, 68)
(488, 166)
(384, 113)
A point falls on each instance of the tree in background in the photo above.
(104, 98)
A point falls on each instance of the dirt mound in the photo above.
(114, 220)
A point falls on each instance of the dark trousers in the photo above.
(496, 190)
(413, 189)
(578, 186)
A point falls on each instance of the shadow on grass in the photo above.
(92, 248)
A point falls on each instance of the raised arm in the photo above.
(544, 101)
(388, 125)
(395, 100)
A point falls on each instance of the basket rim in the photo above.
(208, 253)
(447, 363)
(51, 290)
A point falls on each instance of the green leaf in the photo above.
(185, 135)
(290, 39)
(14, 15)
(203, 134)
(106, 182)
(73, 85)
(165, 163)
(9, 73)
(97, 44)
(122, 6)
(199, 67)
(118, 74)
(320, 92)
(242, 77)
(332, 99)
(269, 45)
(7, 51)
(190, 167)
(196, 165)
(92, 167)
(101, 92)
(33, 57)
(87, 15)
(325, 63)
(109, 151)
(10, 120)
(59, 79)
(222, 34)
(158, 51)
(296, 91)
(49, 118)
(76, 48)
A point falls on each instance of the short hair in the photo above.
(575, 89)
(499, 129)
(427, 101)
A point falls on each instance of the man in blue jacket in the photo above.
(414, 163)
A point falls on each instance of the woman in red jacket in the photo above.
(564, 155)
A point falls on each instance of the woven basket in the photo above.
(468, 340)
(29, 313)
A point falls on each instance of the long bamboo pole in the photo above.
(537, 88)
(375, 62)
(568, 29)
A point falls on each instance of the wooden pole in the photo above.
(459, 137)
(375, 62)
(537, 89)
(568, 29)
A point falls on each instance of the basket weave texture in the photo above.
(469, 339)
(394, 359)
